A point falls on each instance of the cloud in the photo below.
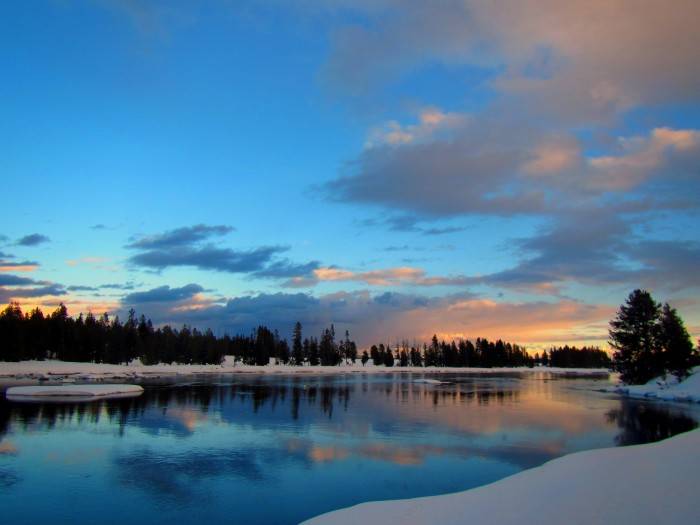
(432, 123)
(14, 280)
(286, 268)
(33, 239)
(163, 294)
(583, 247)
(587, 202)
(476, 172)
(18, 266)
(89, 260)
(398, 276)
(673, 153)
(581, 60)
(81, 288)
(119, 286)
(668, 265)
(187, 247)
(20, 293)
(553, 156)
(179, 237)
(389, 317)
(209, 258)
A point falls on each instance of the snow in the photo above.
(664, 388)
(430, 381)
(71, 391)
(637, 485)
(52, 370)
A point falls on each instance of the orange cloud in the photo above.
(641, 157)
(18, 268)
(74, 306)
(387, 277)
(536, 325)
(553, 157)
(431, 121)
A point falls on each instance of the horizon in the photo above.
(393, 169)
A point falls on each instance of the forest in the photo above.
(86, 338)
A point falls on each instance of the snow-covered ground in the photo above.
(73, 391)
(665, 389)
(638, 485)
(91, 371)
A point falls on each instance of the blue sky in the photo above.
(397, 168)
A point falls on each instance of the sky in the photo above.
(398, 168)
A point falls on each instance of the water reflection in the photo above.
(181, 409)
(184, 407)
(350, 438)
(647, 422)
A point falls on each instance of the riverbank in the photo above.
(47, 370)
(637, 485)
(664, 388)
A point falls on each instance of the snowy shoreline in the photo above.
(663, 389)
(635, 485)
(56, 370)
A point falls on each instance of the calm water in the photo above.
(278, 450)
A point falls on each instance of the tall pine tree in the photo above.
(678, 351)
(635, 336)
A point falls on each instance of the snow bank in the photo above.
(665, 389)
(638, 485)
(99, 371)
(60, 392)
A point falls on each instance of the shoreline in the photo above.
(663, 389)
(610, 485)
(60, 370)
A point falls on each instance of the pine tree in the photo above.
(678, 352)
(297, 348)
(634, 334)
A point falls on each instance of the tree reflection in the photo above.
(646, 422)
(294, 394)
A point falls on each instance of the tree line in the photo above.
(573, 357)
(462, 353)
(105, 339)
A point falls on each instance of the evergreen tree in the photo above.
(313, 352)
(365, 358)
(374, 354)
(403, 358)
(388, 357)
(678, 352)
(297, 348)
(635, 336)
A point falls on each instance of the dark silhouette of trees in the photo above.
(573, 357)
(649, 341)
(388, 357)
(365, 358)
(108, 340)
(462, 353)
(297, 348)
(634, 334)
(103, 340)
(676, 346)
